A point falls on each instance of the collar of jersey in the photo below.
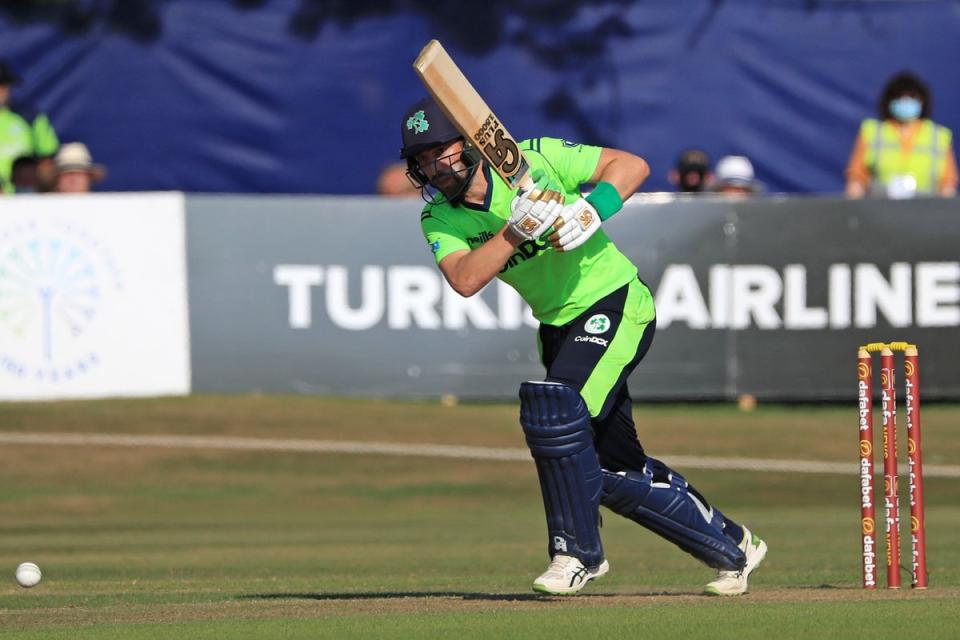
(487, 196)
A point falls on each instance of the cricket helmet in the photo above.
(423, 126)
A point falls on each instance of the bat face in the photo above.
(461, 103)
(500, 149)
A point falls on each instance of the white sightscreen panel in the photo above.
(93, 298)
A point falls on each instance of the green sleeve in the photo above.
(442, 238)
(45, 141)
(574, 163)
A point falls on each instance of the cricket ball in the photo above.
(28, 574)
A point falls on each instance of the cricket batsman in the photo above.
(597, 321)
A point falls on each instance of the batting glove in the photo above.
(577, 222)
(533, 211)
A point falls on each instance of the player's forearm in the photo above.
(472, 271)
(626, 172)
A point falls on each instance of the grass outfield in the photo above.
(176, 543)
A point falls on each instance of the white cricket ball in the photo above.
(28, 574)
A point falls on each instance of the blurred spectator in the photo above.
(22, 132)
(393, 181)
(734, 177)
(46, 174)
(692, 172)
(904, 153)
(75, 170)
(23, 174)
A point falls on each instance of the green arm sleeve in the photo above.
(605, 200)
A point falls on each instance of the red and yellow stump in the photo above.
(891, 499)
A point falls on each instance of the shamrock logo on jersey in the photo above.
(418, 122)
(597, 324)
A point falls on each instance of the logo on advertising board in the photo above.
(54, 279)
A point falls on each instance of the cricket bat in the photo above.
(461, 103)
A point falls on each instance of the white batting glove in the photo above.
(577, 222)
(533, 212)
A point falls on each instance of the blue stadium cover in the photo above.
(303, 96)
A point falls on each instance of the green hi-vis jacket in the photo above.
(18, 137)
(883, 153)
(558, 286)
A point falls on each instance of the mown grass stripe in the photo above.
(422, 450)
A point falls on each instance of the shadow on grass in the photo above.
(396, 595)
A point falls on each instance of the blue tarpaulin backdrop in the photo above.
(305, 96)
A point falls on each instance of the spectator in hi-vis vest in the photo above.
(903, 153)
(23, 132)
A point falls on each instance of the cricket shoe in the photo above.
(566, 575)
(734, 583)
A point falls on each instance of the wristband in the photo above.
(605, 200)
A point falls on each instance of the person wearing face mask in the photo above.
(903, 153)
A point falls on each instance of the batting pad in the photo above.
(661, 500)
(556, 424)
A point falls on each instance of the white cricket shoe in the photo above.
(566, 575)
(734, 583)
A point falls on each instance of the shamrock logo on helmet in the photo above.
(418, 122)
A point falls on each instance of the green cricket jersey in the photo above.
(557, 285)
